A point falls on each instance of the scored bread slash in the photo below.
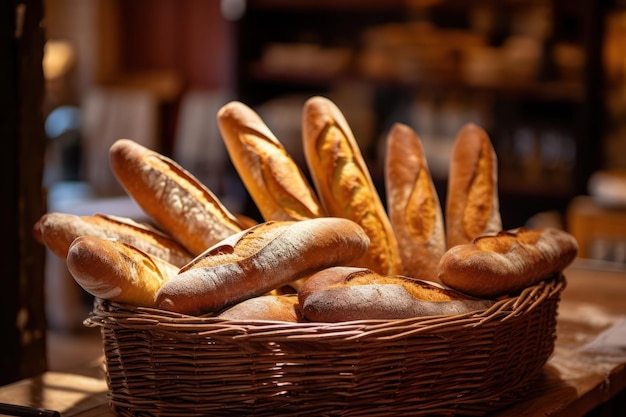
(178, 202)
(503, 264)
(117, 271)
(275, 182)
(344, 183)
(59, 230)
(260, 259)
(472, 206)
(413, 204)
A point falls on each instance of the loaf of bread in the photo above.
(265, 307)
(413, 204)
(59, 230)
(177, 201)
(348, 293)
(260, 259)
(472, 205)
(343, 181)
(117, 271)
(275, 182)
(503, 264)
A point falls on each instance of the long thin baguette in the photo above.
(177, 201)
(413, 204)
(505, 263)
(59, 230)
(343, 181)
(275, 182)
(472, 206)
(117, 271)
(260, 259)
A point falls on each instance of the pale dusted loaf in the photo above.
(178, 202)
(413, 204)
(261, 259)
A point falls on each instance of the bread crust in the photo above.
(472, 205)
(275, 182)
(59, 230)
(178, 202)
(343, 181)
(505, 263)
(348, 293)
(260, 259)
(117, 271)
(265, 307)
(413, 204)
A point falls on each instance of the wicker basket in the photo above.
(167, 364)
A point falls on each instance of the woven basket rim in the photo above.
(501, 311)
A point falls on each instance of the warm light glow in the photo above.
(58, 58)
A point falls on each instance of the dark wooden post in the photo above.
(22, 309)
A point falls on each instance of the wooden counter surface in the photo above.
(586, 370)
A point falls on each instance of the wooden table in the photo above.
(586, 371)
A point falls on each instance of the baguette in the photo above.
(348, 293)
(472, 207)
(117, 271)
(265, 307)
(506, 263)
(413, 204)
(275, 182)
(171, 196)
(59, 230)
(344, 184)
(260, 259)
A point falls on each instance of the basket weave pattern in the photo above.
(167, 364)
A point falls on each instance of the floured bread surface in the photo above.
(174, 198)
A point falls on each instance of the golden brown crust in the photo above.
(472, 206)
(506, 263)
(413, 204)
(348, 293)
(259, 260)
(265, 307)
(343, 181)
(271, 176)
(59, 230)
(117, 271)
(171, 196)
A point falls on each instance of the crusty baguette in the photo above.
(275, 182)
(260, 259)
(472, 205)
(348, 293)
(505, 263)
(265, 307)
(413, 204)
(117, 271)
(59, 230)
(343, 181)
(171, 196)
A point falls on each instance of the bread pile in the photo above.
(328, 251)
